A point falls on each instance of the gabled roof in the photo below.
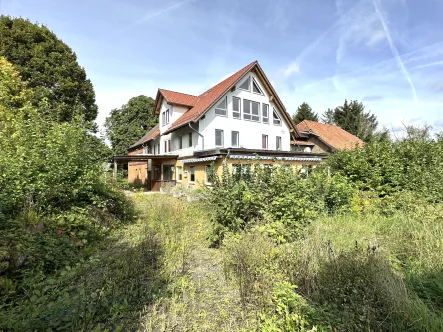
(334, 136)
(179, 98)
(152, 134)
(207, 99)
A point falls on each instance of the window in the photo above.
(190, 139)
(265, 113)
(180, 142)
(157, 173)
(221, 109)
(278, 143)
(256, 88)
(158, 148)
(168, 172)
(251, 110)
(209, 170)
(234, 139)
(236, 111)
(246, 85)
(163, 119)
(149, 149)
(179, 173)
(192, 174)
(218, 137)
(167, 116)
(277, 120)
(145, 150)
(154, 148)
(166, 146)
(169, 145)
(264, 141)
(241, 170)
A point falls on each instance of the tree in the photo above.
(130, 122)
(49, 67)
(304, 112)
(353, 118)
(328, 116)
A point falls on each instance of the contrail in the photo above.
(163, 11)
(394, 50)
(437, 63)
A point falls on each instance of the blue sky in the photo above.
(386, 53)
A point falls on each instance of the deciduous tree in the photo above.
(130, 122)
(49, 67)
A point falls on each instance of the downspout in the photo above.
(203, 138)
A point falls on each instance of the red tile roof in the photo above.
(209, 97)
(300, 142)
(179, 98)
(332, 135)
(152, 134)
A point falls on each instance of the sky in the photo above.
(387, 54)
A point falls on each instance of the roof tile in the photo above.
(179, 98)
(335, 136)
(152, 134)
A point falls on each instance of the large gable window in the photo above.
(221, 108)
(277, 120)
(251, 110)
(236, 110)
(256, 88)
(246, 85)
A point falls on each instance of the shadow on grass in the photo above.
(109, 291)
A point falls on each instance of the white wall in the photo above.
(250, 132)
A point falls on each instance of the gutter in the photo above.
(203, 138)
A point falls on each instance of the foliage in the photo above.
(127, 124)
(386, 167)
(50, 69)
(280, 199)
(353, 118)
(304, 112)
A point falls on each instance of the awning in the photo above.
(199, 160)
(249, 157)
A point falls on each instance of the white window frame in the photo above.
(190, 139)
(238, 139)
(239, 108)
(258, 86)
(179, 173)
(267, 142)
(167, 116)
(180, 142)
(249, 85)
(278, 143)
(222, 137)
(274, 114)
(223, 111)
(265, 119)
(250, 109)
(190, 174)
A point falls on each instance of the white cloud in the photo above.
(292, 68)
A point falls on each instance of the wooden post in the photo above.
(115, 170)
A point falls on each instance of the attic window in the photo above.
(255, 87)
(246, 85)
(277, 120)
(221, 108)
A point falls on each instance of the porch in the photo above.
(148, 171)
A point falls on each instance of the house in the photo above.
(239, 122)
(327, 137)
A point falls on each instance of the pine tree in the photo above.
(304, 112)
(328, 116)
(353, 118)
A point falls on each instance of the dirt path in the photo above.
(205, 302)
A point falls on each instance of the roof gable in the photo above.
(333, 136)
(207, 99)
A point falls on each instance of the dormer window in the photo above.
(246, 85)
(256, 88)
(277, 120)
(221, 108)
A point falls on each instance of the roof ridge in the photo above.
(161, 89)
